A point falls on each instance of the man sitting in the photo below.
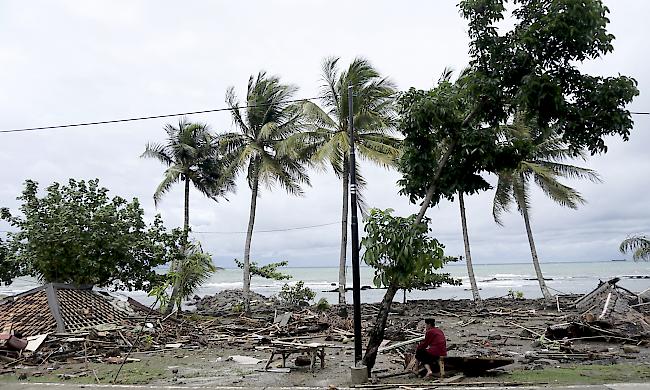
(432, 348)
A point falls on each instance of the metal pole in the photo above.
(354, 227)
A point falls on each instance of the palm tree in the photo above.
(640, 244)
(328, 139)
(195, 268)
(259, 147)
(191, 155)
(544, 167)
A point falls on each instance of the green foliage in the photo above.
(268, 271)
(322, 304)
(639, 244)
(402, 253)
(533, 67)
(259, 148)
(443, 122)
(238, 307)
(195, 268)
(159, 291)
(191, 153)
(543, 165)
(327, 139)
(514, 294)
(76, 234)
(296, 294)
(8, 269)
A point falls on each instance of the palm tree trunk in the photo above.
(468, 255)
(533, 252)
(175, 267)
(344, 240)
(186, 220)
(247, 247)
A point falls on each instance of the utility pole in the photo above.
(354, 227)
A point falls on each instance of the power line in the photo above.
(271, 230)
(151, 116)
(243, 232)
(179, 114)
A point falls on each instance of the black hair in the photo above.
(430, 321)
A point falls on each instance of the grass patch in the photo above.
(132, 373)
(584, 374)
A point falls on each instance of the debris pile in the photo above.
(228, 302)
(608, 312)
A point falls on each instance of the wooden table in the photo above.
(313, 350)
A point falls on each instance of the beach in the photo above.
(494, 280)
(506, 328)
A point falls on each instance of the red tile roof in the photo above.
(57, 308)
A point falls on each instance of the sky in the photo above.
(76, 61)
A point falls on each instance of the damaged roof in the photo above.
(58, 308)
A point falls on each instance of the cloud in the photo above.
(86, 61)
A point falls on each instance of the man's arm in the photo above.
(428, 339)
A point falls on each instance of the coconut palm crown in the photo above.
(544, 166)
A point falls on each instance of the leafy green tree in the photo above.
(328, 138)
(269, 271)
(640, 244)
(434, 126)
(531, 68)
(543, 166)
(403, 257)
(8, 269)
(192, 157)
(76, 234)
(260, 149)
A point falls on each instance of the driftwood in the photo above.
(401, 344)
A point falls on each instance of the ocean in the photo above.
(494, 280)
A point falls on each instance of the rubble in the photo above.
(531, 333)
(607, 312)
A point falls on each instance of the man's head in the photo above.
(429, 323)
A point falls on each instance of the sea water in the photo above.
(494, 280)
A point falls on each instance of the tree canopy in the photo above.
(534, 67)
(8, 269)
(402, 253)
(530, 68)
(77, 234)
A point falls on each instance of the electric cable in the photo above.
(141, 118)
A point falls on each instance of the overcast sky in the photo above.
(75, 61)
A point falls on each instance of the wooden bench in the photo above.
(313, 350)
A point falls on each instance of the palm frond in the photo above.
(639, 244)
(503, 196)
(558, 192)
(172, 176)
(195, 268)
(159, 152)
(571, 171)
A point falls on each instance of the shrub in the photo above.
(295, 295)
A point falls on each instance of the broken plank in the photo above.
(401, 344)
